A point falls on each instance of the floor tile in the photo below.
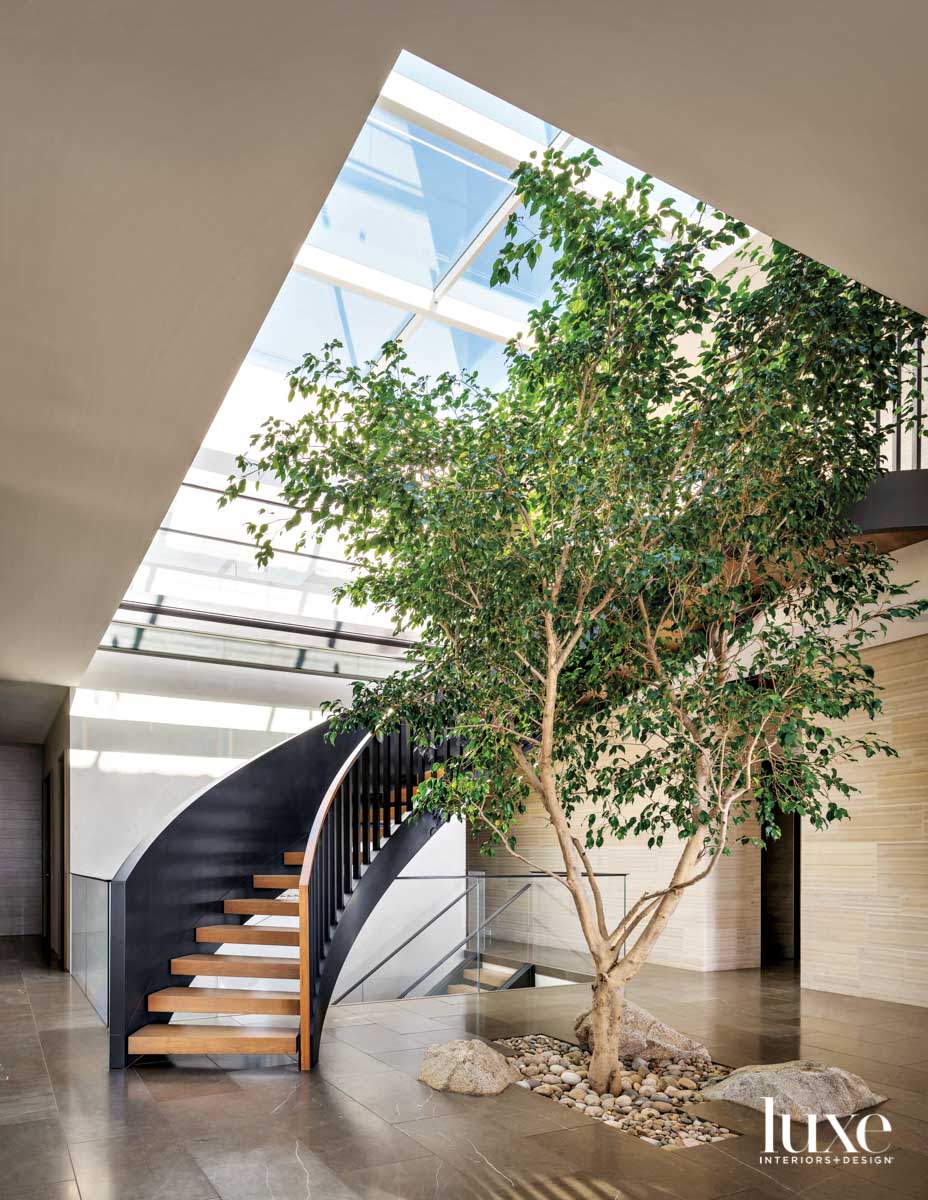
(487, 1152)
(362, 1126)
(283, 1171)
(178, 1078)
(47, 1191)
(34, 1154)
(699, 1174)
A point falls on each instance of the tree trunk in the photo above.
(608, 1006)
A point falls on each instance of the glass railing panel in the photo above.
(556, 940)
(97, 911)
(427, 916)
(494, 928)
(78, 958)
(90, 940)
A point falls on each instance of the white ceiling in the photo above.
(162, 163)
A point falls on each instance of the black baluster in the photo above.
(918, 383)
(898, 404)
(336, 819)
(411, 764)
(345, 811)
(376, 799)
(333, 869)
(310, 892)
(321, 902)
(324, 882)
(398, 776)
(333, 858)
(386, 783)
(315, 916)
(324, 879)
(332, 820)
(355, 821)
(365, 806)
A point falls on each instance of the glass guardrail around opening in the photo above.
(90, 940)
(460, 934)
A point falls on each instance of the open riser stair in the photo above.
(310, 905)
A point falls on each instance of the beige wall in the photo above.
(716, 927)
(864, 925)
(865, 881)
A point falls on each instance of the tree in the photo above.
(634, 583)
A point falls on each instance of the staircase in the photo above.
(487, 976)
(357, 835)
(200, 1038)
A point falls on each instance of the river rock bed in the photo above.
(650, 1105)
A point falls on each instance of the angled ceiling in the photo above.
(163, 162)
(27, 710)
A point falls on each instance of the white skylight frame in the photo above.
(429, 109)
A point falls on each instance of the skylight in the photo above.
(403, 248)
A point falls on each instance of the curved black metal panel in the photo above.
(207, 852)
(399, 849)
(895, 501)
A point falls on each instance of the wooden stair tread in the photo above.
(249, 935)
(224, 1000)
(212, 1039)
(294, 858)
(244, 966)
(262, 908)
(457, 989)
(280, 882)
(489, 975)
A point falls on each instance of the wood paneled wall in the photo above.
(865, 880)
(716, 927)
(20, 840)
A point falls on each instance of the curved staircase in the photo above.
(341, 813)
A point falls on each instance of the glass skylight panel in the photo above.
(474, 98)
(194, 553)
(514, 299)
(404, 248)
(435, 348)
(245, 651)
(308, 313)
(256, 393)
(618, 170)
(195, 510)
(193, 572)
(407, 202)
(241, 596)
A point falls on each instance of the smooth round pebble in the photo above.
(650, 1105)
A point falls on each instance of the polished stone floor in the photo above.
(362, 1127)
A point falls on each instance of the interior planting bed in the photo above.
(651, 1104)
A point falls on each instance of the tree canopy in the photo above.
(631, 572)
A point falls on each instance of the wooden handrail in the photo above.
(312, 844)
(322, 812)
(368, 798)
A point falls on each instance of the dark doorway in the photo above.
(779, 894)
(54, 866)
(47, 865)
(60, 868)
